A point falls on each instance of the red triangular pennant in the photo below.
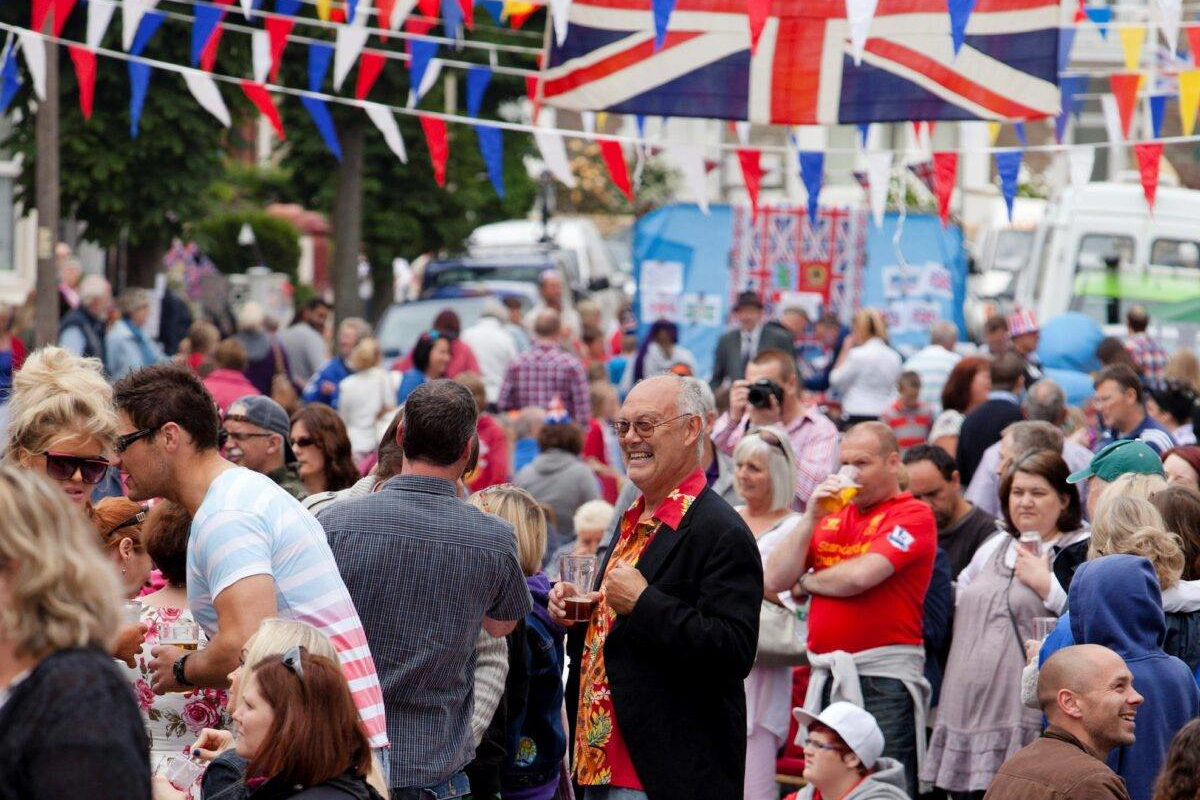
(384, 20)
(1193, 37)
(85, 75)
(531, 91)
(278, 29)
(614, 159)
(338, 16)
(439, 148)
(757, 11)
(468, 12)
(208, 56)
(1124, 86)
(62, 10)
(945, 175)
(417, 26)
(1081, 11)
(370, 64)
(430, 8)
(752, 173)
(518, 18)
(261, 98)
(1148, 156)
(40, 9)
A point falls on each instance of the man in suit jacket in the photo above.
(660, 663)
(983, 427)
(737, 347)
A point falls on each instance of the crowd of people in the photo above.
(539, 557)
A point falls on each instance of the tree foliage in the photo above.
(277, 242)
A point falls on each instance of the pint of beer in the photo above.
(848, 478)
(182, 634)
(580, 572)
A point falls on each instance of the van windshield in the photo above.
(1169, 287)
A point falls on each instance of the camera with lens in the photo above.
(761, 392)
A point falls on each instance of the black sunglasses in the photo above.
(136, 519)
(772, 440)
(123, 442)
(303, 441)
(291, 660)
(62, 467)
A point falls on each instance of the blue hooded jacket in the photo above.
(1115, 601)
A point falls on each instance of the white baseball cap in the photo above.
(858, 729)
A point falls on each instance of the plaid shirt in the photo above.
(424, 569)
(1149, 356)
(535, 378)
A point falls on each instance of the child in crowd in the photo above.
(908, 417)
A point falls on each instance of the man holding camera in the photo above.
(770, 395)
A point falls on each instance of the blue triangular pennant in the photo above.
(452, 18)
(812, 173)
(1101, 16)
(1066, 40)
(139, 81)
(422, 53)
(478, 79)
(351, 9)
(494, 8)
(1019, 129)
(320, 116)
(491, 147)
(149, 25)
(1158, 109)
(1072, 89)
(319, 56)
(287, 7)
(11, 80)
(864, 128)
(1008, 165)
(204, 24)
(662, 16)
(960, 14)
(640, 121)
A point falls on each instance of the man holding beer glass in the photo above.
(864, 551)
(672, 633)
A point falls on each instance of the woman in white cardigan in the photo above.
(866, 370)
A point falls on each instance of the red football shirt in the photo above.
(902, 530)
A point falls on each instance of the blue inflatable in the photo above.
(1069, 342)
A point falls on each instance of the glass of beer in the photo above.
(1031, 542)
(579, 572)
(131, 612)
(181, 633)
(848, 479)
(180, 772)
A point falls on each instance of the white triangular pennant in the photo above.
(859, 14)
(350, 41)
(879, 178)
(1112, 118)
(204, 89)
(554, 155)
(35, 59)
(559, 9)
(588, 118)
(743, 132)
(1080, 159)
(400, 12)
(427, 80)
(247, 8)
(689, 159)
(132, 12)
(383, 119)
(98, 16)
(260, 49)
(1169, 17)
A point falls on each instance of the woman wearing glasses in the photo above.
(765, 473)
(322, 447)
(62, 421)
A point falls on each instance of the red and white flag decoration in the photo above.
(350, 42)
(392, 13)
(99, 14)
(1125, 86)
(1080, 160)
(277, 29)
(1112, 118)
(1148, 156)
(386, 123)
(439, 147)
(614, 159)
(945, 176)
(752, 173)
(204, 89)
(859, 14)
(258, 94)
(85, 75)
(34, 52)
(369, 67)
(1170, 14)
(559, 9)
(260, 54)
(554, 154)
(132, 12)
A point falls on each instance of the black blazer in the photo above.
(676, 665)
(980, 430)
(727, 363)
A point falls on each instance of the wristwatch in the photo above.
(178, 671)
(799, 583)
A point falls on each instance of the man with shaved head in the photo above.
(1087, 695)
(867, 568)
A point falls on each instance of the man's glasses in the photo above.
(644, 428)
(304, 441)
(62, 467)
(124, 442)
(819, 745)
(291, 660)
(243, 436)
(136, 519)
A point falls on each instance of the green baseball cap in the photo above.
(1124, 457)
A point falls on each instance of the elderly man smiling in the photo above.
(662, 707)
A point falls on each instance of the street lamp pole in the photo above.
(47, 197)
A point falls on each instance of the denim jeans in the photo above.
(456, 786)
(612, 793)
(891, 705)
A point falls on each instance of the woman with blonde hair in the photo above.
(69, 726)
(366, 398)
(535, 660)
(62, 422)
(866, 370)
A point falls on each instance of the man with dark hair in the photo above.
(982, 427)
(304, 340)
(545, 373)
(427, 571)
(995, 336)
(737, 347)
(813, 436)
(961, 527)
(1147, 354)
(1120, 402)
(253, 553)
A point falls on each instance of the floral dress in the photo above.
(172, 720)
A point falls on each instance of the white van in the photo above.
(1100, 250)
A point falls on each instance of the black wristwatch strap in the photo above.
(179, 671)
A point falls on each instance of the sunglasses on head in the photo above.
(62, 467)
(291, 660)
(136, 519)
(772, 440)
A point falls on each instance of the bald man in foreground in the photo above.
(1087, 694)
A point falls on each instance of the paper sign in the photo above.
(809, 301)
(661, 306)
(701, 309)
(662, 277)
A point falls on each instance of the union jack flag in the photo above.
(802, 72)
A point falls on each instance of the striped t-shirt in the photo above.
(247, 526)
